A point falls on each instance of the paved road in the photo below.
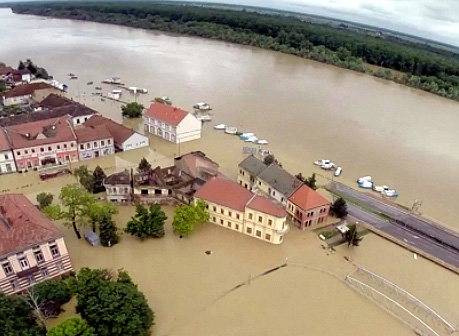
(418, 232)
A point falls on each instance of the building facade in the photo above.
(306, 208)
(249, 169)
(118, 187)
(171, 123)
(32, 249)
(235, 208)
(23, 94)
(7, 163)
(94, 142)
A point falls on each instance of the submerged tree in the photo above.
(44, 199)
(96, 212)
(98, 180)
(108, 231)
(74, 326)
(147, 222)
(311, 181)
(339, 208)
(187, 216)
(144, 166)
(351, 235)
(75, 201)
(132, 110)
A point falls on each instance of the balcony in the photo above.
(283, 231)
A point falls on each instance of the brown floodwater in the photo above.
(404, 138)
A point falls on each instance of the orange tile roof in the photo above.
(307, 198)
(266, 205)
(22, 225)
(168, 114)
(224, 192)
(4, 144)
(85, 134)
(26, 89)
(40, 133)
(119, 132)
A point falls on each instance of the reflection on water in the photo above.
(402, 137)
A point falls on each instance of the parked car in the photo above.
(338, 171)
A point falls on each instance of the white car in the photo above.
(366, 184)
(380, 188)
(338, 171)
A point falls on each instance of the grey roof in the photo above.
(123, 177)
(280, 179)
(253, 165)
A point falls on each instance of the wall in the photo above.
(245, 179)
(120, 193)
(34, 155)
(103, 147)
(268, 231)
(7, 158)
(269, 191)
(316, 215)
(136, 140)
(189, 129)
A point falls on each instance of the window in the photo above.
(44, 272)
(54, 250)
(31, 279)
(7, 268)
(59, 266)
(49, 148)
(95, 144)
(270, 222)
(258, 234)
(237, 216)
(214, 219)
(240, 171)
(215, 209)
(15, 284)
(65, 145)
(221, 221)
(222, 211)
(88, 145)
(237, 226)
(268, 236)
(33, 150)
(260, 219)
(282, 199)
(249, 230)
(229, 213)
(6, 156)
(81, 146)
(26, 151)
(58, 146)
(18, 153)
(125, 190)
(229, 224)
(250, 216)
(259, 183)
(72, 145)
(281, 238)
(102, 143)
(274, 193)
(109, 141)
(24, 263)
(39, 257)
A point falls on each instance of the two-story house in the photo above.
(32, 249)
(276, 183)
(197, 165)
(7, 164)
(23, 94)
(171, 123)
(249, 169)
(61, 105)
(233, 207)
(118, 187)
(46, 142)
(94, 142)
(306, 207)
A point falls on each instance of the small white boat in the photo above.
(366, 184)
(245, 136)
(202, 106)
(118, 92)
(220, 127)
(321, 162)
(135, 89)
(328, 166)
(253, 139)
(112, 80)
(163, 100)
(114, 96)
(365, 178)
(204, 118)
(263, 152)
(231, 130)
(262, 142)
(380, 188)
(338, 171)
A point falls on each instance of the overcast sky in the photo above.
(434, 19)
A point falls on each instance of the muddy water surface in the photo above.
(402, 137)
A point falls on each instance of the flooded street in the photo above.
(402, 137)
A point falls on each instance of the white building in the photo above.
(7, 164)
(23, 94)
(94, 142)
(171, 123)
(125, 138)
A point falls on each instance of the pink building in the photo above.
(43, 143)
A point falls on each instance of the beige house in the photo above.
(32, 249)
(118, 187)
(306, 207)
(249, 169)
(235, 208)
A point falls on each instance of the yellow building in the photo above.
(235, 208)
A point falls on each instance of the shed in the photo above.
(92, 238)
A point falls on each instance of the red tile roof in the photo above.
(40, 133)
(85, 134)
(4, 143)
(197, 161)
(266, 205)
(119, 132)
(168, 114)
(225, 192)
(26, 89)
(307, 198)
(22, 225)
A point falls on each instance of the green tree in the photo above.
(72, 327)
(96, 212)
(147, 222)
(113, 306)
(339, 208)
(144, 166)
(17, 318)
(187, 216)
(85, 177)
(269, 159)
(44, 199)
(352, 236)
(75, 201)
(108, 231)
(132, 110)
(311, 181)
(98, 180)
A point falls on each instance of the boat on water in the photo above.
(73, 77)
(391, 193)
(119, 92)
(112, 80)
(264, 152)
(58, 85)
(89, 83)
(71, 74)
(231, 130)
(365, 178)
(262, 142)
(98, 88)
(322, 162)
(202, 106)
(253, 139)
(245, 136)
(220, 127)
(115, 96)
(135, 89)
(365, 184)
(380, 188)
(338, 171)
(249, 150)
(328, 166)
(204, 118)
(163, 100)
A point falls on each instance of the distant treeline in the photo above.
(421, 66)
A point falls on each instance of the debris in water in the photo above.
(415, 256)
(208, 252)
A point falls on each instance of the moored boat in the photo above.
(163, 100)
(262, 142)
(112, 80)
(391, 193)
(204, 118)
(89, 83)
(220, 127)
(202, 106)
(245, 136)
(231, 130)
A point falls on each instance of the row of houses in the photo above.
(61, 131)
(14, 76)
